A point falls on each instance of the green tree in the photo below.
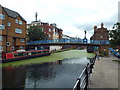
(115, 35)
(35, 33)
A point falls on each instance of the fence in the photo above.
(69, 41)
(84, 78)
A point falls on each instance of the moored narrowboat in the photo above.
(22, 55)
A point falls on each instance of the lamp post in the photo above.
(85, 39)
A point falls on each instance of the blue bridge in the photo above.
(69, 42)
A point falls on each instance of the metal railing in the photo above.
(69, 41)
(117, 54)
(84, 78)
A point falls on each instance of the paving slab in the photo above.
(105, 73)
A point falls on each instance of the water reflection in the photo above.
(13, 77)
(58, 74)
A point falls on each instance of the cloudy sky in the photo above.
(73, 16)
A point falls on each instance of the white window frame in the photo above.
(17, 30)
(2, 16)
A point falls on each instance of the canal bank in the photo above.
(105, 73)
(60, 70)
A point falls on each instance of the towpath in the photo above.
(105, 73)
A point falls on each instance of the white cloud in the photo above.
(68, 13)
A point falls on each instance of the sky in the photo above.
(72, 16)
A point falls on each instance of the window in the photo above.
(16, 21)
(22, 40)
(49, 35)
(42, 29)
(21, 47)
(9, 24)
(49, 30)
(2, 27)
(13, 48)
(8, 43)
(1, 38)
(20, 22)
(1, 48)
(2, 16)
(17, 30)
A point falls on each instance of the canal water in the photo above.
(59, 70)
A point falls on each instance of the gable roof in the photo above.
(12, 13)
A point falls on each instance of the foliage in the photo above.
(115, 35)
(35, 33)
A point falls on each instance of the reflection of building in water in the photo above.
(39, 72)
(13, 77)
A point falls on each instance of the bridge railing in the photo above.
(117, 54)
(69, 41)
(84, 78)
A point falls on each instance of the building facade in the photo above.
(100, 33)
(50, 30)
(12, 30)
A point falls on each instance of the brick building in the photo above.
(50, 30)
(100, 33)
(12, 30)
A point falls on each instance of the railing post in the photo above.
(87, 76)
(78, 85)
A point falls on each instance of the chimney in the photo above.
(102, 25)
(95, 27)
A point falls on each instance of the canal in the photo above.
(59, 70)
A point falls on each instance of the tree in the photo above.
(35, 33)
(115, 35)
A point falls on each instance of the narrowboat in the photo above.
(21, 55)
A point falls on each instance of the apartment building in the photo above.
(50, 30)
(12, 30)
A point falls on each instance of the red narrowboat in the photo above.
(22, 54)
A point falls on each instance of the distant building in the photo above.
(100, 33)
(12, 30)
(50, 30)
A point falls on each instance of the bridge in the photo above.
(69, 42)
(102, 44)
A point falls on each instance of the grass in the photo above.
(116, 60)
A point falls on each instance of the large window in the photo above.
(1, 38)
(2, 16)
(2, 27)
(17, 30)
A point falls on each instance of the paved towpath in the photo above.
(105, 73)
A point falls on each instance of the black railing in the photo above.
(84, 78)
